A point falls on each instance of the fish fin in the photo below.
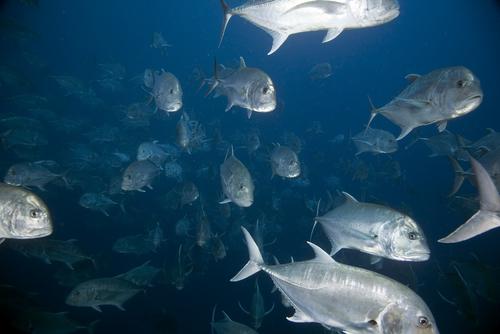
(315, 220)
(249, 113)
(241, 307)
(215, 82)
(227, 16)
(97, 308)
(299, 316)
(2, 240)
(482, 221)
(349, 197)
(255, 262)
(225, 201)
(404, 132)
(278, 39)
(270, 310)
(442, 126)
(230, 104)
(104, 212)
(373, 112)
(488, 193)
(226, 317)
(120, 307)
(412, 77)
(242, 62)
(331, 34)
(320, 255)
(330, 7)
(459, 176)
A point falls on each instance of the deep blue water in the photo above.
(73, 37)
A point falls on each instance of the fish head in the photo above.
(80, 296)
(14, 176)
(262, 95)
(407, 241)
(389, 144)
(411, 318)
(293, 168)
(375, 12)
(243, 195)
(462, 91)
(31, 219)
(168, 95)
(129, 181)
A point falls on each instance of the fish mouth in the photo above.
(418, 256)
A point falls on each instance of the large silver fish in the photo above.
(23, 215)
(374, 229)
(343, 297)
(375, 141)
(282, 18)
(488, 216)
(436, 97)
(246, 87)
(236, 182)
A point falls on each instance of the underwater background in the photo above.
(72, 38)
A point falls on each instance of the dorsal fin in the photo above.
(226, 317)
(488, 193)
(412, 77)
(320, 255)
(242, 63)
(349, 197)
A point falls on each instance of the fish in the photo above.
(23, 215)
(228, 326)
(488, 142)
(374, 229)
(166, 92)
(246, 87)
(153, 152)
(447, 144)
(257, 308)
(96, 202)
(282, 18)
(102, 291)
(284, 162)
(436, 97)
(139, 174)
(181, 270)
(339, 296)
(375, 141)
(32, 174)
(236, 181)
(320, 71)
(488, 216)
(142, 275)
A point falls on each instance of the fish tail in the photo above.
(373, 112)
(254, 264)
(315, 220)
(215, 82)
(459, 176)
(225, 20)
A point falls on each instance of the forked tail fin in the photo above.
(255, 262)
(225, 19)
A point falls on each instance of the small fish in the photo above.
(285, 162)
(139, 174)
(236, 181)
(375, 141)
(228, 326)
(257, 308)
(320, 71)
(166, 92)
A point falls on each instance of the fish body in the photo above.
(285, 162)
(437, 97)
(282, 18)
(374, 229)
(343, 297)
(167, 92)
(31, 174)
(236, 181)
(375, 141)
(139, 174)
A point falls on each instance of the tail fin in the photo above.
(373, 112)
(225, 20)
(488, 216)
(255, 262)
(459, 176)
(215, 83)
(315, 220)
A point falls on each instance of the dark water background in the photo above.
(74, 36)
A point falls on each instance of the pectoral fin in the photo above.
(331, 34)
(278, 39)
(442, 126)
(299, 316)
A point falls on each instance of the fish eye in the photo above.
(423, 322)
(171, 91)
(242, 187)
(412, 235)
(460, 83)
(373, 322)
(35, 213)
(265, 90)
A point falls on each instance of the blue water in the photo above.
(72, 37)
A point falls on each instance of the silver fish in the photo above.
(236, 181)
(436, 97)
(167, 91)
(32, 174)
(257, 308)
(285, 162)
(228, 326)
(375, 141)
(139, 174)
(488, 216)
(102, 291)
(343, 297)
(23, 215)
(282, 18)
(153, 152)
(374, 229)
(246, 87)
